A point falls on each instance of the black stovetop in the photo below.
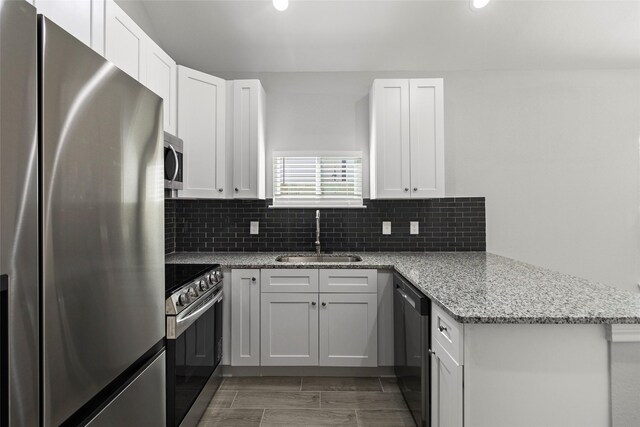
(178, 275)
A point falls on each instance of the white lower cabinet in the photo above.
(245, 317)
(446, 389)
(289, 329)
(303, 327)
(348, 330)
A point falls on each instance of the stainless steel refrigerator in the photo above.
(81, 222)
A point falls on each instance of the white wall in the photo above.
(554, 152)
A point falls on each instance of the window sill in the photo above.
(317, 207)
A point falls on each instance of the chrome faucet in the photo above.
(318, 232)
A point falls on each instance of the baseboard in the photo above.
(306, 371)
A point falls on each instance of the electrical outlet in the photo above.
(254, 227)
(413, 228)
(386, 227)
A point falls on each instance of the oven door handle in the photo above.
(176, 325)
(216, 299)
(177, 168)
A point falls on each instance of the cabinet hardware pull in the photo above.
(313, 303)
(219, 190)
(236, 189)
(442, 328)
(415, 188)
(406, 189)
(431, 352)
(324, 304)
(253, 279)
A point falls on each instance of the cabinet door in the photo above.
(83, 19)
(201, 125)
(248, 140)
(446, 389)
(348, 330)
(289, 329)
(245, 317)
(390, 157)
(427, 137)
(124, 42)
(162, 78)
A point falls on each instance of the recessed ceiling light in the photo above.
(281, 5)
(475, 4)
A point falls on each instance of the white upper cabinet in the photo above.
(248, 139)
(125, 42)
(162, 78)
(135, 53)
(389, 151)
(201, 125)
(407, 138)
(426, 134)
(84, 19)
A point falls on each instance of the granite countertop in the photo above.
(475, 287)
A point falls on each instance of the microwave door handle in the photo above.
(175, 155)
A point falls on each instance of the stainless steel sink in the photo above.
(319, 258)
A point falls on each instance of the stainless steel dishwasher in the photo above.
(412, 342)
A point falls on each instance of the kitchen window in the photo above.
(317, 179)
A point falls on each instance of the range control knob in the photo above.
(212, 278)
(184, 299)
(203, 285)
(218, 275)
(192, 292)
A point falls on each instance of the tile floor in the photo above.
(307, 401)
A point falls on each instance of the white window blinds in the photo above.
(326, 180)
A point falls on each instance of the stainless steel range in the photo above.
(194, 339)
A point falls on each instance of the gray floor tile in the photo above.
(222, 399)
(361, 400)
(277, 399)
(385, 418)
(309, 417)
(262, 383)
(231, 418)
(341, 384)
(389, 384)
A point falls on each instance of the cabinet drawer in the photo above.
(339, 280)
(447, 332)
(289, 280)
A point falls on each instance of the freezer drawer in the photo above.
(142, 403)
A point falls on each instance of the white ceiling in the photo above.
(251, 36)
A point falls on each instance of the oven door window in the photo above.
(196, 359)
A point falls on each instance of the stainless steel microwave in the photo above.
(173, 153)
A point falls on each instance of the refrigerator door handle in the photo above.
(4, 349)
